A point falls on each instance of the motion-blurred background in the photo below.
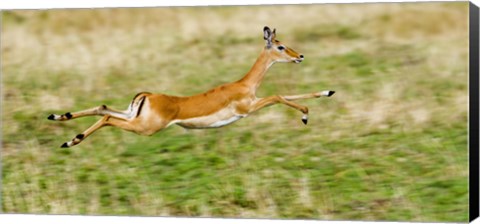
(391, 144)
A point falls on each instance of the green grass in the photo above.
(391, 144)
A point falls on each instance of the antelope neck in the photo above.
(255, 76)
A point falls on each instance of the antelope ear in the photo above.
(266, 33)
(267, 36)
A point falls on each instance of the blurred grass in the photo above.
(390, 145)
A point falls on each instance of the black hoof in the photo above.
(68, 115)
(65, 145)
(305, 121)
(51, 117)
(330, 93)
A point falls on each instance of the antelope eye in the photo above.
(281, 48)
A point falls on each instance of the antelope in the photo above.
(149, 113)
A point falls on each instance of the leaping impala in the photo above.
(149, 113)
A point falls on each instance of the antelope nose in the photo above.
(301, 56)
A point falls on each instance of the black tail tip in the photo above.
(330, 93)
(305, 121)
(65, 145)
(51, 117)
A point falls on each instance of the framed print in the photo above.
(319, 112)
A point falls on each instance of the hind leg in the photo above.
(105, 121)
(131, 112)
(101, 110)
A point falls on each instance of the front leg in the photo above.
(327, 93)
(267, 101)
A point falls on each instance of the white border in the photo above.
(77, 219)
(74, 219)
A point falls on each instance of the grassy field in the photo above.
(391, 144)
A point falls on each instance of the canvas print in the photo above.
(316, 111)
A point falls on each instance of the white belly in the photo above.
(225, 122)
(218, 119)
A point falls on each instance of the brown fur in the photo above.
(217, 107)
